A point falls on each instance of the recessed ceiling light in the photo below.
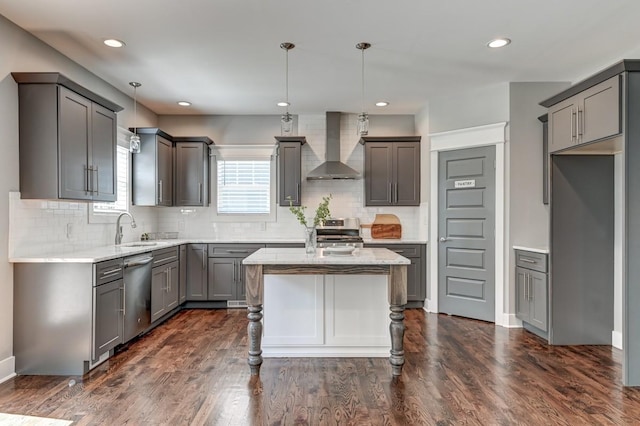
(283, 104)
(382, 103)
(184, 103)
(499, 42)
(112, 42)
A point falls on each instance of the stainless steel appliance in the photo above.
(137, 295)
(340, 232)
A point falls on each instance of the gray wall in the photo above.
(20, 51)
(260, 129)
(527, 217)
(485, 105)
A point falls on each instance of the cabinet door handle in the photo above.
(528, 286)
(199, 193)
(396, 192)
(524, 259)
(160, 191)
(238, 251)
(390, 193)
(124, 300)
(574, 120)
(580, 124)
(105, 274)
(97, 182)
(204, 263)
(239, 272)
(86, 179)
(299, 190)
(234, 272)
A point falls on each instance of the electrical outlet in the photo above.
(69, 230)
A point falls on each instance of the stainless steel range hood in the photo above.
(333, 168)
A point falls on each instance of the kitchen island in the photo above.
(281, 267)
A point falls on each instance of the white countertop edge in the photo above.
(394, 241)
(103, 253)
(534, 250)
(293, 256)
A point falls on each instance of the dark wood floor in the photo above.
(192, 370)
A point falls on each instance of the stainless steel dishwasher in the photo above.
(137, 294)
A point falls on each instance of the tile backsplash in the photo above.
(41, 226)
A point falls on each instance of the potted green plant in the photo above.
(322, 214)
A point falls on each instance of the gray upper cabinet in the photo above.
(289, 169)
(391, 170)
(152, 168)
(588, 116)
(192, 176)
(67, 140)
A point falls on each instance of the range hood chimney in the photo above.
(333, 168)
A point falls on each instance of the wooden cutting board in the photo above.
(386, 226)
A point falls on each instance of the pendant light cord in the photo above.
(287, 79)
(135, 110)
(362, 80)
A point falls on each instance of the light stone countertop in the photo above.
(102, 253)
(531, 249)
(293, 256)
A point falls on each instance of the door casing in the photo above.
(491, 134)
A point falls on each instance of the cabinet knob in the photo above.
(443, 239)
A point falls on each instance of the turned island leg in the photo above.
(255, 291)
(397, 300)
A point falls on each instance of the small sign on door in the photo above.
(469, 183)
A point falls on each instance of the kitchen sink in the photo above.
(139, 244)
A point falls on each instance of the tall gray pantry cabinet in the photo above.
(590, 125)
(67, 140)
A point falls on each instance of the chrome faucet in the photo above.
(119, 228)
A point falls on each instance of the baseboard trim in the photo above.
(7, 368)
(511, 321)
(616, 339)
(428, 306)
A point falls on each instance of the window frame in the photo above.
(244, 217)
(112, 216)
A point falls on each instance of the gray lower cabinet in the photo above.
(226, 272)
(391, 170)
(67, 140)
(192, 171)
(196, 272)
(165, 282)
(109, 322)
(532, 296)
(108, 306)
(152, 169)
(182, 281)
(416, 271)
(590, 115)
(290, 169)
(164, 290)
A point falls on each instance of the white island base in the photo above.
(330, 303)
(325, 316)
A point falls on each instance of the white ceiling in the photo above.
(224, 55)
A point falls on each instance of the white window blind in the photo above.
(244, 187)
(120, 205)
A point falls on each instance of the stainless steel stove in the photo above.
(340, 232)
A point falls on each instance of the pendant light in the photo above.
(363, 117)
(286, 121)
(134, 140)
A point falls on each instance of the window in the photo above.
(244, 187)
(121, 204)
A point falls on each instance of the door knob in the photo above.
(443, 239)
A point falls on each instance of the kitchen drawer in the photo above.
(531, 260)
(233, 250)
(108, 271)
(406, 250)
(160, 257)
